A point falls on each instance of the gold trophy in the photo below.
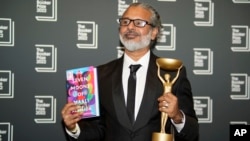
(170, 65)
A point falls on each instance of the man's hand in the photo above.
(70, 118)
(168, 103)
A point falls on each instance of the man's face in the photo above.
(133, 37)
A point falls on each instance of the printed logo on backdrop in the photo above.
(6, 32)
(241, 1)
(203, 61)
(167, 40)
(46, 58)
(238, 122)
(240, 38)
(122, 5)
(46, 10)
(240, 85)
(6, 131)
(204, 13)
(203, 107)
(87, 34)
(6, 84)
(45, 109)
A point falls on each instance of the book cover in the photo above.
(82, 89)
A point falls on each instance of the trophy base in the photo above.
(162, 137)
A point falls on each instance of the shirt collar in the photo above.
(144, 60)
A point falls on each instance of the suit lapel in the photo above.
(118, 96)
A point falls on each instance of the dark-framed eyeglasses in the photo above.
(136, 22)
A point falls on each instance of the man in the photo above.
(139, 27)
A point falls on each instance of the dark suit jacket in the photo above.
(114, 125)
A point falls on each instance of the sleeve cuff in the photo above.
(75, 132)
(180, 126)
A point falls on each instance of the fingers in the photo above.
(163, 104)
(168, 103)
(70, 118)
(65, 109)
(166, 99)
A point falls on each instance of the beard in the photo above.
(132, 45)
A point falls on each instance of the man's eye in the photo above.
(125, 22)
(138, 22)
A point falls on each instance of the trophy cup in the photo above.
(170, 65)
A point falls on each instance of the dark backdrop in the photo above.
(40, 40)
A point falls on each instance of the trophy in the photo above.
(170, 65)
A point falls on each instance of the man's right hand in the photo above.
(70, 118)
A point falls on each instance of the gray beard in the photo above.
(132, 46)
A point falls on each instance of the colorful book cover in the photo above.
(82, 89)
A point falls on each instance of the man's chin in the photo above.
(134, 48)
(131, 48)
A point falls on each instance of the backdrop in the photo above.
(41, 39)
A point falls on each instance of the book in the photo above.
(82, 89)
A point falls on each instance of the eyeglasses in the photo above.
(137, 22)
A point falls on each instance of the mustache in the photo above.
(132, 32)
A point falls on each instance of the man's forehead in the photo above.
(137, 12)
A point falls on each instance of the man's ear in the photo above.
(154, 33)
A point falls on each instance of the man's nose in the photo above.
(131, 25)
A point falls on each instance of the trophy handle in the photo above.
(164, 116)
(164, 119)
